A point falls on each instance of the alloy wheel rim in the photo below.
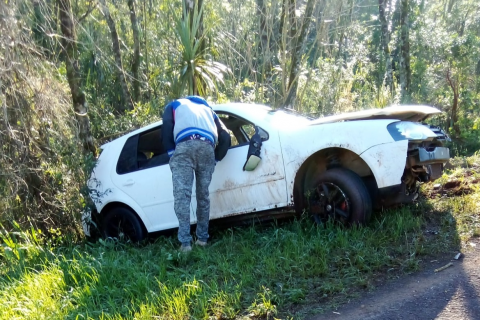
(329, 201)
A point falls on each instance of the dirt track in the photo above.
(453, 293)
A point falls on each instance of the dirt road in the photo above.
(452, 293)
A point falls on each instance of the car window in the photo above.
(142, 151)
(127, 161)
(249, 130)
(241, 131)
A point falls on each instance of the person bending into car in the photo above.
(195, 139)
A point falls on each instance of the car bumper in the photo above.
(431, 162)
(438, 155)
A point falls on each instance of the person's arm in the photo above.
(224, 139)
(167, 130)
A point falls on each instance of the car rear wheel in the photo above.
(341, 195)
(121, 223)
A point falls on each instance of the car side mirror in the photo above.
(253, 155)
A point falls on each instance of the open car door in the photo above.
(234, 190)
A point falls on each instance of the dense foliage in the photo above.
(125, 59)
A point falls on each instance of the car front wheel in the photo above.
(121, 223)
(341, 195)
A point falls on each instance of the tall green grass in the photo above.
(270, 271)
(248, 271)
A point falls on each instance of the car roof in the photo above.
(241, 108)
(258, 112)
(250, 111)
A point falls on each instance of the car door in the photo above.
(143, 174)
(234, 191)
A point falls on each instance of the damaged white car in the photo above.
(338, 167)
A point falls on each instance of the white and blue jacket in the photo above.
(187, 117)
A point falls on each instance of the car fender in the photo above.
(387, 162)
(368, 139)
(117, 197)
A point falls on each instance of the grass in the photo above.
(283, 270)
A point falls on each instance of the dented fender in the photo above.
(387, 162)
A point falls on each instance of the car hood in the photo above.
(404, 112)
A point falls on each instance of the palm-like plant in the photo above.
(198, 73)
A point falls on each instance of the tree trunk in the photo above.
(385, 45)
(263, 56)
(296, 56)
(136, 51)
(145, 50)
(263, 31)
(73, 75)
(126, 102)
(292, 21)
(455, 86)
(283, 15)
(405, 73)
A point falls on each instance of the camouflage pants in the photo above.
(192, 157)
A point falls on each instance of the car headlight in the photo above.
(402, 130)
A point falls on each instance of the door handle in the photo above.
(129, 182)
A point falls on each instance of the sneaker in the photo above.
(185, 248)
(201, 243)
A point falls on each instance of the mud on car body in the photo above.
(339, 167)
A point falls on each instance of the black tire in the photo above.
(121, 223)
(341, 195)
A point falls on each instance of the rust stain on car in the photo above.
(245, 199)
(229, 184)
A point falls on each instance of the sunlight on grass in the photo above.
(36, 293)
(246, 272)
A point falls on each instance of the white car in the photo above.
(338, 167)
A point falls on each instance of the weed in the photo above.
(267, 271)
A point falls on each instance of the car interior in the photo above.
(146, 150)
(240, 130)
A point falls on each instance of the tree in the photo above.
(199, 73)
(385, 44)
(296, 54)
(405, 71)
(189, 8)
(73, 75)
(126, 103)
(136, 51)
(454, 84)
(193, 12)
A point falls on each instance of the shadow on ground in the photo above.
(452, 293)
